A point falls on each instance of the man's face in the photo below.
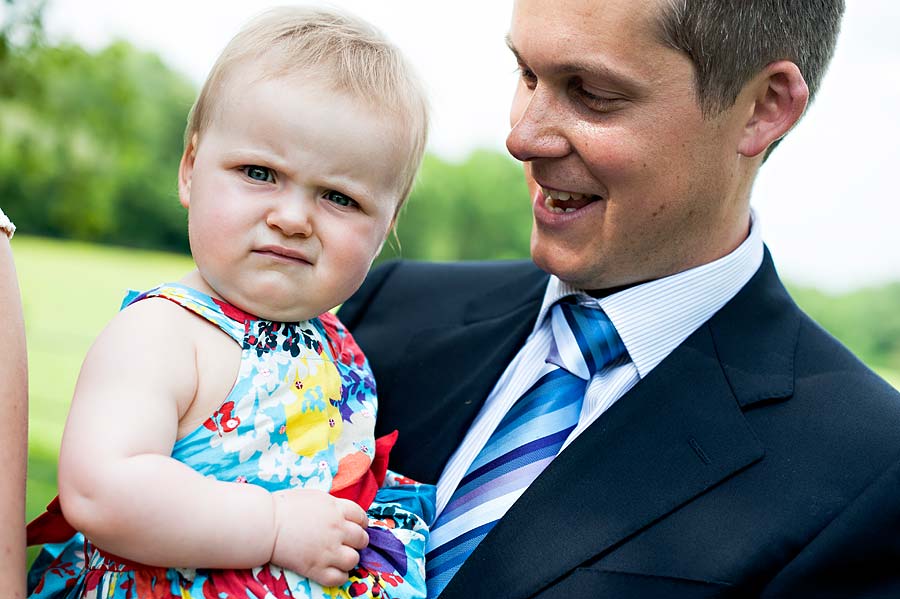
(606, 115)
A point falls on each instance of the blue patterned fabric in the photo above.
(300, 414)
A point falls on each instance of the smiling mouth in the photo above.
(561, 202)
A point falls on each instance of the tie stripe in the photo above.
(584, 327)
(527, 439)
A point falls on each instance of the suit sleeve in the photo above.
(354, 309)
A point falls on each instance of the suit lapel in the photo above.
(451, 370)
(677, 433)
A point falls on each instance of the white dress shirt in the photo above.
(652, 319)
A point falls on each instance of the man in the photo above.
(733, 448)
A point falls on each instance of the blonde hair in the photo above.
(352, 56)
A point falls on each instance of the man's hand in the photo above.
(318, 536)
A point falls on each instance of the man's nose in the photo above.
(538, 126)
(293, 215)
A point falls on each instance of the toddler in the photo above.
(220, 441)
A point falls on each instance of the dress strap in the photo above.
(225, 316)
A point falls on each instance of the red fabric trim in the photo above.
(233, 313)
(343, 346)
(49, 527)
(363, 491)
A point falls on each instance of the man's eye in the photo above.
(259, 173)
(340, 199)
(595, 102)
(527, 76)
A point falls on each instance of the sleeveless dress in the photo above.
(301, 414)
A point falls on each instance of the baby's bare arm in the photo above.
(117, 482)
(119, 485)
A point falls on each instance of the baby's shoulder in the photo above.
(154, 312)
(152, 340)
(153, 323)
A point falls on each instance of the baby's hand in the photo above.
(317, 535)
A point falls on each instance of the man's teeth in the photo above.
(552, 196)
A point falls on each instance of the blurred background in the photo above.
(94, 97)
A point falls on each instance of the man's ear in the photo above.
(779, 96)
(186, 171)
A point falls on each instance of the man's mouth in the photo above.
(561, 202)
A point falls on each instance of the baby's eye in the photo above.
(259, 173)
(340, 199)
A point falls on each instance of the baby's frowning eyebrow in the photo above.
(256, 156)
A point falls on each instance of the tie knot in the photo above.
(584, 339)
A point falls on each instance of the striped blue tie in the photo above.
(526, 440)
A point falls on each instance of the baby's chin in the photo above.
(266, 311)
(260, 301)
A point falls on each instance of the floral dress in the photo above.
(301, 414)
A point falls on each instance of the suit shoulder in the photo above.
(824, 362)
(437, 292)
(449, 274)
(422, 280)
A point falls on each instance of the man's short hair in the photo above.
(347, 53)
(730, 41)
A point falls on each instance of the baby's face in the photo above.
(291, 192)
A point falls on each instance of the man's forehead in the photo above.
(612, 39)
(593, 17)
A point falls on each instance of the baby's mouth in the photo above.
(566, 201)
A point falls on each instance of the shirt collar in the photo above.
(653, 318)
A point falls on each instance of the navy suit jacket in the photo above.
(760, 458)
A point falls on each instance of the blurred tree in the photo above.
(20, 30)
(475, 209)
(90, 151)
(867, 320)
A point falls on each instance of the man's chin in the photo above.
(568, 268)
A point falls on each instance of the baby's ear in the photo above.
(186, 171)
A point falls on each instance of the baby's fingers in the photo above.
(330, 577)
(354, 536)
(353, 512)
(346, 559)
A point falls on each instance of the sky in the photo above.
(826, 199)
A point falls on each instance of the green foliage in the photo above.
(474, 209)
(90, 143)
(866, 320)
(90, 147)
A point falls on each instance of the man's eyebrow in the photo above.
(512, 47)
(583, 66)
